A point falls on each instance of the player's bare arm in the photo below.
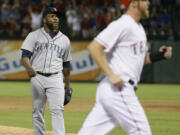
(28, 67)
(97, 52)
(66, 73)
(68, 89)
(147, 59)
(165, 52)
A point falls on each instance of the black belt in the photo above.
(46, 74)
(132, 83)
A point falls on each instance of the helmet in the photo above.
(51, 10)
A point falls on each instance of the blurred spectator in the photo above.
(58, 4)
(165, 19)
(12, 27)
(70, 12)
(36, 12)
(76, 26)
(5, 13)
(86, 18)
(85, 27)
(23, 8)
(101, 21)
(46, 3)
(124, 3)
(156, 3)
(15, 20)
(26, 26)
(93, 24)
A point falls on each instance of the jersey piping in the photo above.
(50, 59)
(46, 51)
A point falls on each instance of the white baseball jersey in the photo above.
(126, 45)
(48, 53)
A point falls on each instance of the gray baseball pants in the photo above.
(52, 89)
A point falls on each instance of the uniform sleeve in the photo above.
(28, 43)
(110, 35)
(67, 53)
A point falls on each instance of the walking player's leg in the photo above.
(127, 110)
(56, 99)
(98, 122)
(39, 103)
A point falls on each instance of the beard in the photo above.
(143, 11)
(51, 26)
(145, 14)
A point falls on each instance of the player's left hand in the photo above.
(167, 51)
(67, 96)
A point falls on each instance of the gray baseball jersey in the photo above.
(48, 53)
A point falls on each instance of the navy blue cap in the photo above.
(51, 10)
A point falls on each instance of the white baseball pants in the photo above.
(51, 89)
(115, 107)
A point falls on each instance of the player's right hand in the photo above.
(31, 72)
(167, 51)
(116, 80)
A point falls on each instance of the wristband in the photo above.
(66, 64)
(157, 56)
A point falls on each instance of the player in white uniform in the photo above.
(125, 45)
(45, 54)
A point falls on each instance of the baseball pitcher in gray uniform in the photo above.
(46, 58)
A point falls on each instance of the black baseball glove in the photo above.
(67, 96)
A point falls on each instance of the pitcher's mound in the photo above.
(5, 130)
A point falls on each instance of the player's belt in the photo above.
(46, 74)
(132, 83)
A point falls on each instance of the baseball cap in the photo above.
(128, 1)
(125, 3)
(51, 10)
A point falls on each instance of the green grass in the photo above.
(88, 90)
(164, 123)
(161, 123)
(16, 118)
(159, 91)
(15, 89)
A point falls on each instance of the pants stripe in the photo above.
(129, 111)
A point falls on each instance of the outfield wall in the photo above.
(83, 68)
(11, 68)
(166, 71)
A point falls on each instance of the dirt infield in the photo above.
(4, 130)
(85, 105)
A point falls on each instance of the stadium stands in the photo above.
(83, 19)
